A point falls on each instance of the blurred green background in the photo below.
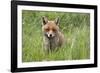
(75, 26)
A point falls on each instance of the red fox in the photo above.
(52, 36)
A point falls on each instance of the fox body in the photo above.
(52, 37)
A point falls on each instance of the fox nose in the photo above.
(50, 35)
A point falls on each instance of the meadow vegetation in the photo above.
(75, 27)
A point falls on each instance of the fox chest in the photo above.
(51, 43)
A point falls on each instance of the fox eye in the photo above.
(54, 30)
(47, 29)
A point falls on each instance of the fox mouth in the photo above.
(49, 37)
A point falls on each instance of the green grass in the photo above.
(75, 26)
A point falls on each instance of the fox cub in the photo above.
(52, 37)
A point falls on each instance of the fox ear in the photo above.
(57, 21)
(44, 20)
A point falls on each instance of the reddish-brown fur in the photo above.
(53, 38)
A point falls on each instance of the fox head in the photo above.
(50, 28)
